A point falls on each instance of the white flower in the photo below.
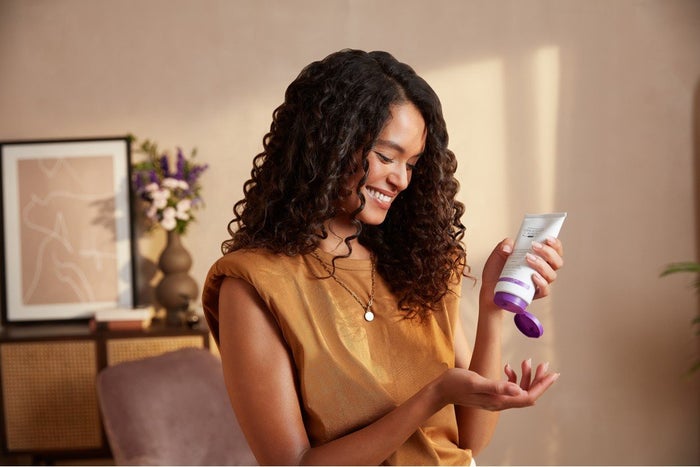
(170, 183)
(168, 221)
(152, 212)
(182, 207)
(169, 192)
(160, 198)
(153, 186)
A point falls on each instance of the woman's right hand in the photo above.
(467, 388)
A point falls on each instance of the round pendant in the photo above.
(369, 315)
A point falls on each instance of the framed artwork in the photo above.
(67, 239)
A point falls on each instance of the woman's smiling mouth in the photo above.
(379, 196)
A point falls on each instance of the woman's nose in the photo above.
(400, 176)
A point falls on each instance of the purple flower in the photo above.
(195, 172)
(180, 175)
(164, 165)
(138, 182)
(161, 188)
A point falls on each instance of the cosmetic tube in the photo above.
(515, 289)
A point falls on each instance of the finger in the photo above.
(510, 373)
(541, 286)
(525, 379)
(505, 248)
(556, 244)
(496, 260)
(523, 399)
(549, 254)
(542, 267)
(537, 389)
(540, 371)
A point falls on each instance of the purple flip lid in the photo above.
(526, 322)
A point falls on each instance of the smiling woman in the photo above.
(390, 166)
(342, 279)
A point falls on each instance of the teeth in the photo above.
(379, 196)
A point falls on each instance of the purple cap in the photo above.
(510, 302)
(528, 324)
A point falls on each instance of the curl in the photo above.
(333, 110)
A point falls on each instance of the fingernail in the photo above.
(537, 245)
(530, 257)
(550, 240)
(556, 376)
(506, 248)
(545, 366)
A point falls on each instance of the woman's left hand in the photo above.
(548, 257)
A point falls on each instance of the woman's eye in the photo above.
(382, 157)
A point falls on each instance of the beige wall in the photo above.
(586, 106)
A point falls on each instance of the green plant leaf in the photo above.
(690, 266)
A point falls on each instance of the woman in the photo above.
(335, 305)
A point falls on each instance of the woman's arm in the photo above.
(476, 426)
(261, 382)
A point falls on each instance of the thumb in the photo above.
(497, 388)
(508, 388)
(497, 259)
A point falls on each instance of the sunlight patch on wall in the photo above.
(545, 88)
(546, 70)
(472, 96)
(490, 106)
(546, 73)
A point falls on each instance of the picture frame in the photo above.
(67, 238)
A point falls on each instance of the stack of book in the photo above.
(122, 319)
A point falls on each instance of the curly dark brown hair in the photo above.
(334, 109)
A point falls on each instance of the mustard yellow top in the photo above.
(351, 372)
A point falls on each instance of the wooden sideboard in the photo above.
(47, 382)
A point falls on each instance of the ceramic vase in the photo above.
(176, 289)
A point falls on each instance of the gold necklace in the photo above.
(369, 314)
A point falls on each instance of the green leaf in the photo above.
(681, 267)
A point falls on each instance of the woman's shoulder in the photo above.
(248, 254)
(257, 265)
(250, 261)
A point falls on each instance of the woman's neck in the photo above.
(334, 243)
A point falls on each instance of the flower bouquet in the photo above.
(169, 192)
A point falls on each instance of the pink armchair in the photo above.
(172, 409)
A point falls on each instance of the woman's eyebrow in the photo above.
(392, 145)
(395, 146)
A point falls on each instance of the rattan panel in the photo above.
(50, 401)
(126, 349)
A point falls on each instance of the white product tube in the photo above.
(515, 289)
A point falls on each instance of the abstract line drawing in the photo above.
(67, 229)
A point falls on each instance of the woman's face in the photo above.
(391, 161)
